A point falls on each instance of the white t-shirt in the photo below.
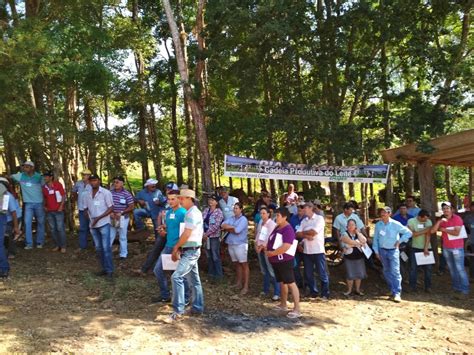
(316, 223)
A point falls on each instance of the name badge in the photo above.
(29, 184)
(382, 232)
(155, 199)
(122, 201)
(51, 192)
(96, 203)
(226, 209)
(171, 215)
(421, 226)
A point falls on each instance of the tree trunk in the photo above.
(409, 179)
(196, 111)
(90, 141)
(189, 146)
(449, 190)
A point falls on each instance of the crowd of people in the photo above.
(286, 236)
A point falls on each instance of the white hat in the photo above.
(30, 163)
(187, 193)
(151, 182)
(446, 203)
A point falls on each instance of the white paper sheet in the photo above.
(292, 250)
(278, 241)
(263, 234)
(462, 234)
(404, 256)
(5, 202)
(59, 198)
(367, 251)
(123, 221)
(421, 259)
(168, 263)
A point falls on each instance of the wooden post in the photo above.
(428, 199)
(471, 184)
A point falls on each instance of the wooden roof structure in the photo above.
(456, 149)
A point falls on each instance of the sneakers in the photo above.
(39, 246)
(324, 299)
(56, 249)
(160, 300)
(100, 273)
(173, 318)
(28, 247)
(275, 298)
(397, 298)
(63, 250)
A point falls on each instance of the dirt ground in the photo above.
(53, 302)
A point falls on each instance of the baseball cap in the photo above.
(151, 182)
(48, 173)
(171, 186)
(119, 178)
(94, 177)
(386, 209)
(309, 204)
(30, 163)
(214, 197)
(446, 203)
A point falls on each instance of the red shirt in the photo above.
(454, 221)
(51, 195)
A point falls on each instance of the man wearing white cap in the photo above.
(31, 184)
(187, 251)
(152, 201)
(80, 189)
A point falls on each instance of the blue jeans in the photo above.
(414, 270)
(187, 270)
(268, 275)
(4, 265)
(103, 249)
(455, 260)
(214, 258)
(319, 261)
(37, 210)
(122, 231)
(139, 214)
(56, 224)
(83, 229)
(161, 276)
(390, 259)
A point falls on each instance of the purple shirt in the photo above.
(121, 199)
(288, 236)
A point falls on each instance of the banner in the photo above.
(268, 169)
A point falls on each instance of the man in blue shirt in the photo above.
(295, 222)
(31, 184)
(403, 216)
(413, 209)
(151, 201)
(388, 236)
(170, 229)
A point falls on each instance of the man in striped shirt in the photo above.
(123, 204)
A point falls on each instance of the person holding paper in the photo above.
(352, 241)
(187, 250)
(262, 232)
(54, 197)
(421, 229)
(388, 236)
(281, 248)
(213, 218)
(453, 249)
(99, 205)
(169, 230)
(123, 205)
(237, 242)
(31, 183)
(295, 221)
(312, 234)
